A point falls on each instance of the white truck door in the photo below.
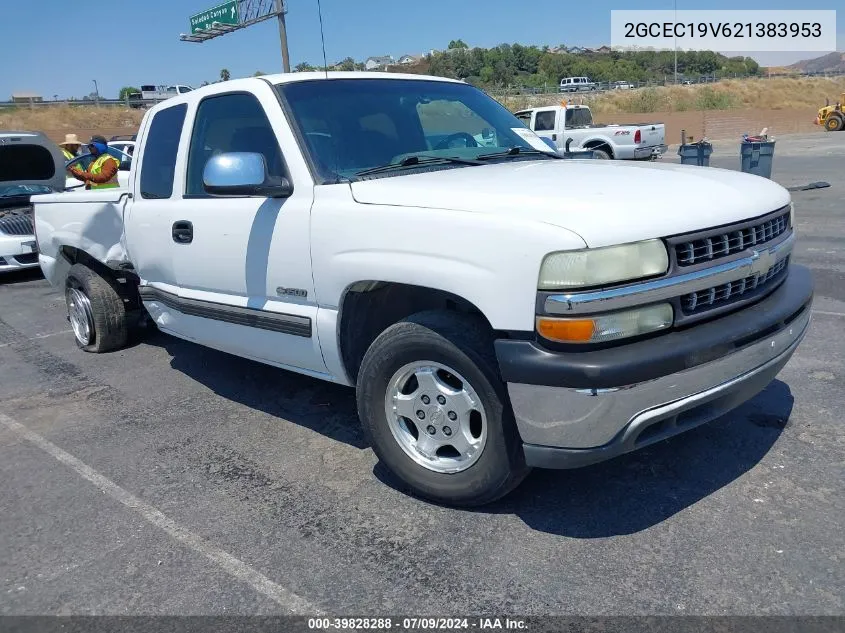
(243, 264)
(544, 124)
(147, 222)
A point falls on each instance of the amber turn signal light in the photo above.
(566, 330)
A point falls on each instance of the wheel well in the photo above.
(370, 307)
(602, 145)
(124, 282)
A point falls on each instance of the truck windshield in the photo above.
(578, 117)
(353, 125)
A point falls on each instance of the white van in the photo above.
(575, 84)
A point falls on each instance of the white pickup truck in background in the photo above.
(560, 123)
(495, 307)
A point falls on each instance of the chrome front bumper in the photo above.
(13, 246)
(571, 412)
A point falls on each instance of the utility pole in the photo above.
(676, 42)
(283, 34)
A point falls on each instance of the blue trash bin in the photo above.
(757, 158)
(695, 153)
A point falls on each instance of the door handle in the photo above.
(183, 232)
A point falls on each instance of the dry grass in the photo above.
(70, 118)
(770, 94)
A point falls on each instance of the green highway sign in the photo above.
(226, 13)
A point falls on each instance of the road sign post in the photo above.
(235, 15)
(226, 13)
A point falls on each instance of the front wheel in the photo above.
(436, 412)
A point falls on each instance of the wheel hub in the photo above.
(80, 315)
(436, 417)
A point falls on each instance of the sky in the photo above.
(54, 47)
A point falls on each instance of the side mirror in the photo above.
(243, 174)
(487, 133)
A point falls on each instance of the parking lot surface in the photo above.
(168, 478)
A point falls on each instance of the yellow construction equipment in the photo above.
(831, 116)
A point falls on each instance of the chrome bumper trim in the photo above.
(591, 418)
(669, 287)
(654, 150)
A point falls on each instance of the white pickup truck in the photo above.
(496, 308)
(572, 122)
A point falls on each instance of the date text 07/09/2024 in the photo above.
(416, 624)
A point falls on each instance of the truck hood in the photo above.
(605, 202)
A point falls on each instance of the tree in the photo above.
(457, 44)
(347, 64)
(258, 73)
(225, 74)
(303, 67)
(126, 91)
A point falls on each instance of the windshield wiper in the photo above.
(516, 150)
(413, 161)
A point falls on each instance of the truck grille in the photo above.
(730, 241)
(27, 258)
(715, 296)
(16, 225)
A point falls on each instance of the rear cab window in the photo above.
(578, 117)
(525, 117)
(161, 145)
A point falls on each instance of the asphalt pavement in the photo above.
(168, 478)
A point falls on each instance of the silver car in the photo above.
(30, 164)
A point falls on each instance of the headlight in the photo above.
(792, 215)
(598, 266)
(607, 327)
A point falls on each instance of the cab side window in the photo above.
(160, 147)
(230, 123)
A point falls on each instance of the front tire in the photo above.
(833, 123)
(95, 310)
(436, 412)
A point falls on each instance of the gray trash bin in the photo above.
(696, 153)
(756, 158)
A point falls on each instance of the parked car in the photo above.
(577, 84)
(621, 85)
(635, 141)
(496, 308)
(124, 143)
(30, 165)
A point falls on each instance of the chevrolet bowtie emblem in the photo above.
(762, 261)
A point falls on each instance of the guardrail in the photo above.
(106, 103)
(606, 86)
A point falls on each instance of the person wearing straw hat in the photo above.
(102, 172)
(70, 146)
